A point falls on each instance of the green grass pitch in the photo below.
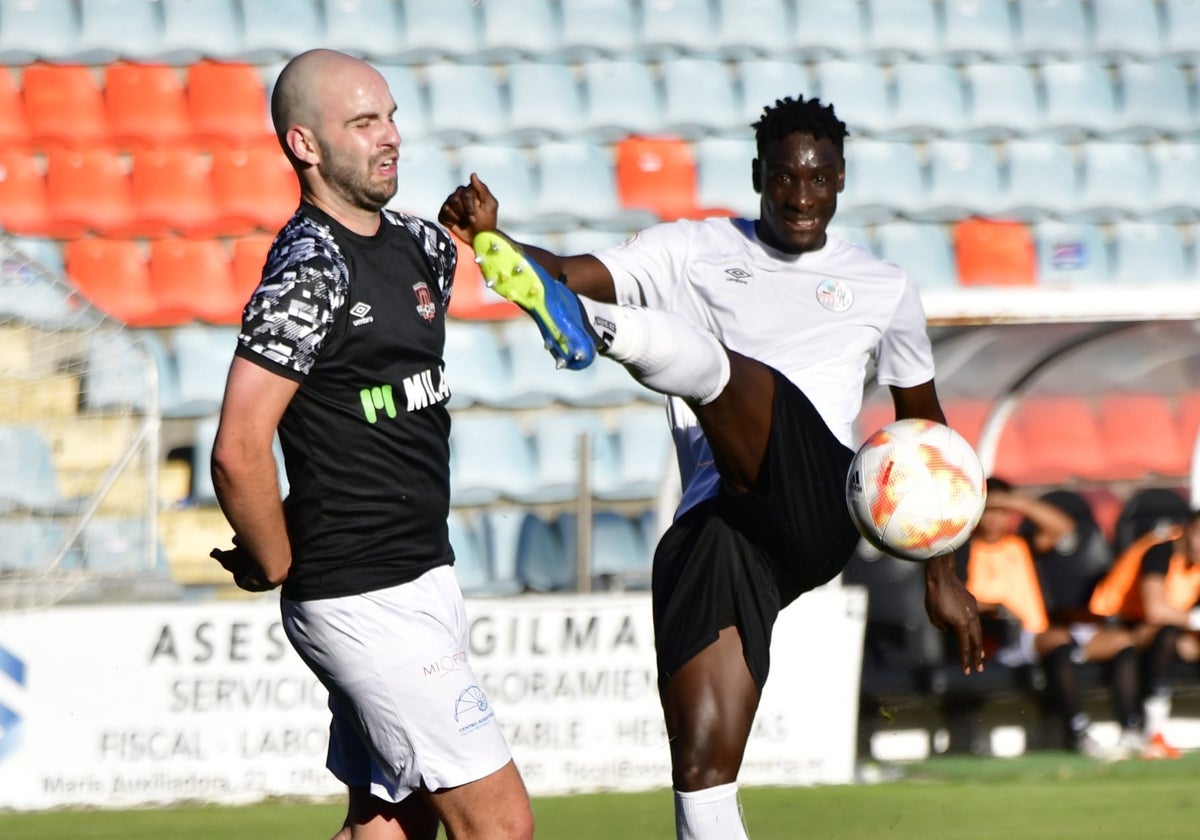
(1055, 796)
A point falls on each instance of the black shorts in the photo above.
(737, 560)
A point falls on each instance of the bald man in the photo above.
(340, 352)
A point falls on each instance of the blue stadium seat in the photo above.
(860, 236)
(122, 545)
(1051, 29)
(198, 29)
(202, 357)
(823, 29)
(1149, 253)
(978, 29)
(883, 179)
(370, 29)
(517, 30)
(471, 565)
(501, 528)
(964, 180)
(923, 250)
(117, 370)
(1124, 29)
(1155, 101)
(28, 475)
(751, 28)
(621, 97)
(1079, 99)
(930, 100)
(533, 379)
(897, 31)
(604, 383)
(426, 178)
(508, 173)
(1181, 28)
(690, 116)
(1041, 180)
(276, 30)
(412, 117)
(557, 437)
(46, 31)
(592, 28)
(684, 27)
(477, 367)
(542, 564)
(1176, 182)
(644, 455)
(1003, 101)
(620, 558)
(723, 168)
(30, 544)
(31, 295)
(204, 434)
(763, 81)
(45, 253)
(466, 103)
(1071, 254)
(858, 91)
(439, 32)
(1114, 181)
(544, 101)
(578, 188)
(490, 458)
(113, 29)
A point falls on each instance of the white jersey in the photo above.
(819, 318)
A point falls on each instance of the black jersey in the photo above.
(359, 322)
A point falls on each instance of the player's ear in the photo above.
(755, 176)
(841, 176)
(302, 145)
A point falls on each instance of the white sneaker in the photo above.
(1087, 745)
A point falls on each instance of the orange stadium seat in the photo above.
(1141, 435)
(88, 190)
(255, 186)
(967, 416)
(657, 174)
(1062, 440)
(146, 105)
(1188, 412)
(64, 106)
(227, 104)
(994, 252)
(115, 276)
(249, 256)
(14, 127)
(194, 276)
(173, 192)
(24, 206)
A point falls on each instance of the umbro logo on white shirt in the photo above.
(737, 275)
(360, 313)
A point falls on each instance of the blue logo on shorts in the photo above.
(471, 709)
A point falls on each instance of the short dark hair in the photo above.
(799, 116)
(998, 484)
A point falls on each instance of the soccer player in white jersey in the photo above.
(760, 333)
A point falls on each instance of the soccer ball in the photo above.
(915, 489)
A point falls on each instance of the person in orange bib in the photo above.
(1000, 572)
(1154, 588)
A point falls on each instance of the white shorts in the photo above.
(407, 710)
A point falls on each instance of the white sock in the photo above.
(710, 814)
(1157, 709)
(661, 350)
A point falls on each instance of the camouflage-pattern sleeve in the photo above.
(305, 284)
(439, 248)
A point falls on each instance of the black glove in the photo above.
(247, 574)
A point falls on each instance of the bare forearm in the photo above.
(250, 499)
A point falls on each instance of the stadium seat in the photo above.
(29, 480)
(685, 27)
(248, 256)
(968, 417)
(117, 29)
(501, 529)
(1155, 102)
(369, 29)
(1041, 181)
(644, 454)
(533, 378)
(14, 127)
(596, 28)
(116, 369)
(507, 172)
(978, 29)
(1106, 507)
(1149, 254)
(64, 106)
(114, 275)
(620, 98)
(930, 100)
(47, 30)
(426, 179)
(1148, 509)
(43, 252)
(897, 31)
(1187, 410)
(578, 188)
(657, 174)
(822, 29)
(121, 545)
(762, 82)
(1141, 436)
(1079, 99)
(195, 276)
(227, 104)
(1176, 182)
(466, 104)
(749, 29)
(1003, 101)
(544, 101)
(412, 118)
(254, 187)
(24, 204)
(1061, 440)
(519, 30)
(557, 438)
(994, 252)
(471, 566)
(1071, 254)
(33, 544)
(602, 384)
(202, 355)
(1051, 29)
(1123, 29)
(922, 249)
(476, 366)
(883, 179)
(172, 192)
(1114, 181)
(620, 558)
(439, 32)
(858, 91)
(542, 562)
(855, 234)
(490, 459)
(276, 30)
(1181, 28)
(690, 116)
(146, 105)
(89, 190)
(196, 30)
(964, 180)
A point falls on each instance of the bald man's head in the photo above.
(303, 85)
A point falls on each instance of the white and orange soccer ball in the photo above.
(916, 489)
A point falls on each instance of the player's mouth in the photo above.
(804, 225)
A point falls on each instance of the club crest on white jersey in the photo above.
(834, 295)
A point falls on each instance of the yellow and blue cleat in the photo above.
(554, 308)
